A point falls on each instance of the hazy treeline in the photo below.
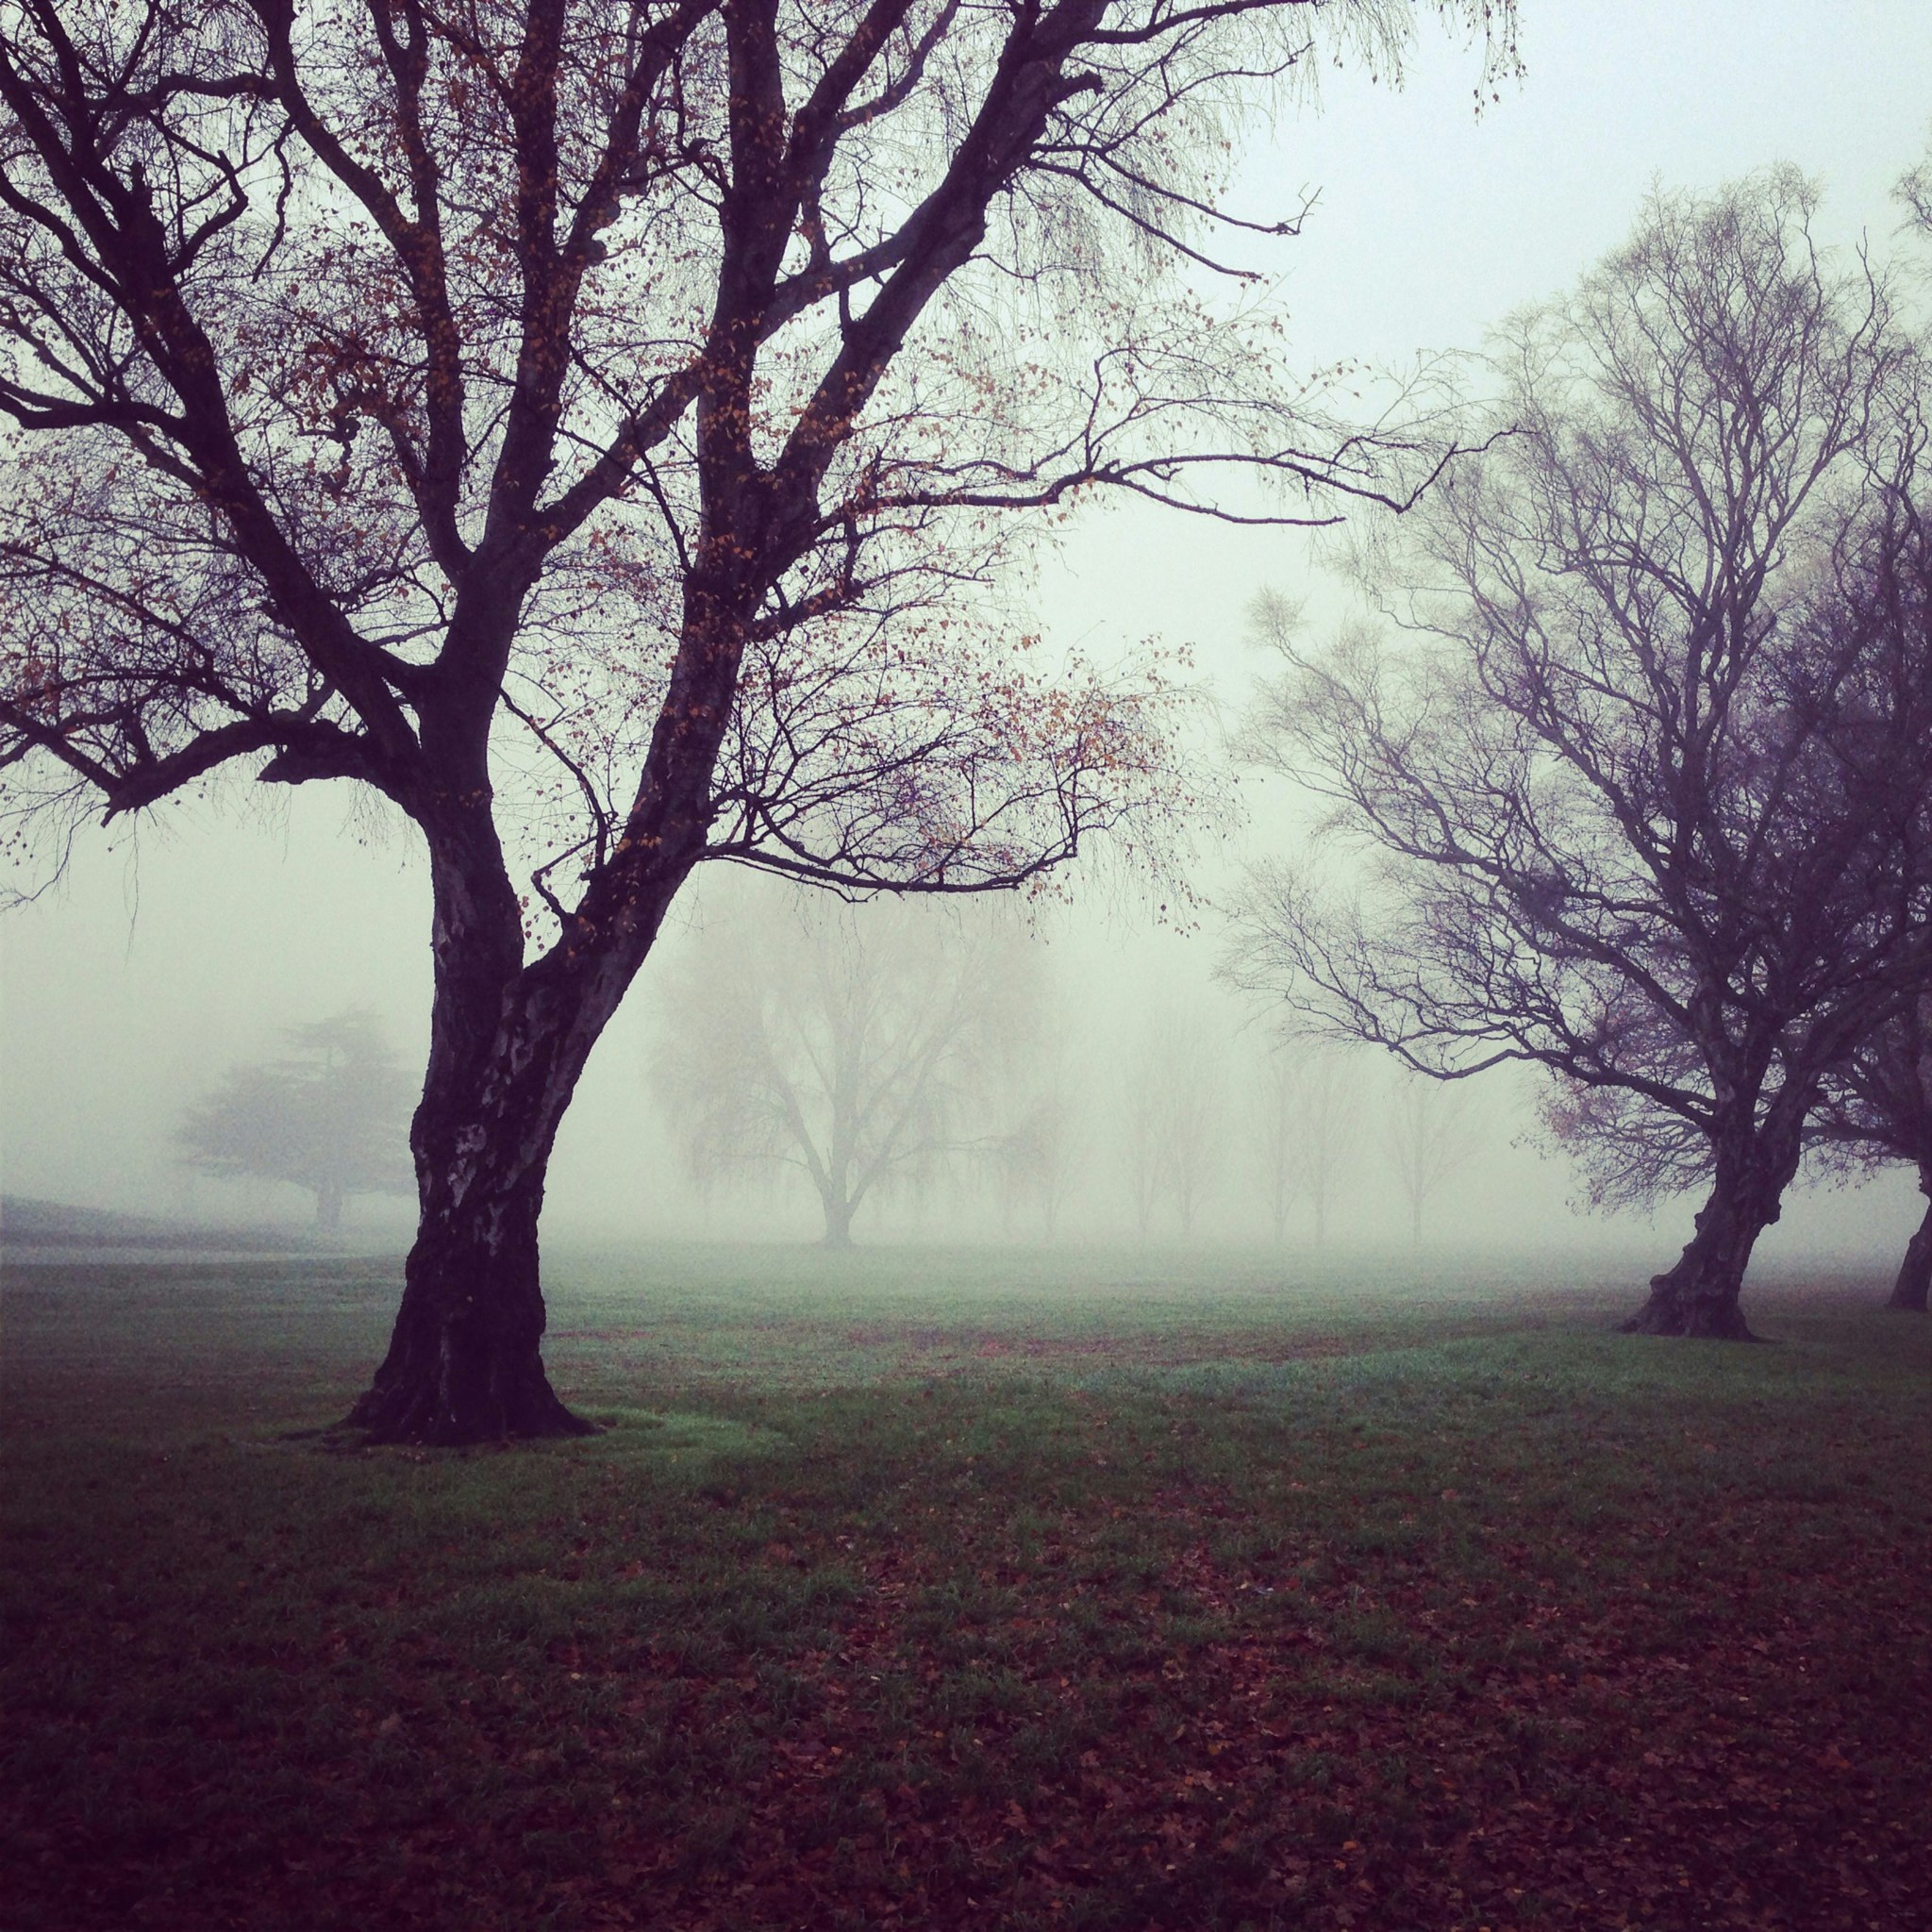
(913, 1066)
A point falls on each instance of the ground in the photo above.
(993, 1590)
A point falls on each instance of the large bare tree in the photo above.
(1635, 763)
(600, 429)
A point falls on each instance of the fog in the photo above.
(173, 950)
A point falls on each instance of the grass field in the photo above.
(969, 1589)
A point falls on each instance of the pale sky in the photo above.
(136, 981)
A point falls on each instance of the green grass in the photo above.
(956, 1589)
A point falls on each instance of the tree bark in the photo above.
(1699, 1296)
(507, 1047)
(464, 1361)
(1909, 1291)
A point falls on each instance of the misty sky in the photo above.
(175, 947)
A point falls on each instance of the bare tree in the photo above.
(1028, 1095)
(1430, 1136)
(601, 429)
(836, 1039)
(1878, 1106)
(1641, 780)
(1279, 1144)
(1915, 192)
(1171, 1095)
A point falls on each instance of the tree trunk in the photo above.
(329, 1206)
(1915, 1271)
(839, 1214)
(465, 1363)
(1699, 1295)
(507, 1047)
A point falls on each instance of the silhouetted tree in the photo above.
(1642, 781)
(1877, 1106)
(599, 429)
(331, 1116)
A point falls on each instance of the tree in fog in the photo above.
(602, 431)
(841, 1041)
(331, 1116)
(1308, 1130)
(1636, 761)
(1915, 192)
(1172, 1100)
(1311, 1130)
(1028, 1098)
(1429, 1135)
(1277, 1100)
(1878, 1106)
(1877, 1103)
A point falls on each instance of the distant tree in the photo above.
(1307, 1117)
(1878, 1106)
(1429, 1137)
(1915, 192)
(841, 1041)
(1028, 1098)
(1331, 1130)
(1173, 1115)
(1138, 1122)
(1637, 761)
(331, 1116)
(1279, 1133)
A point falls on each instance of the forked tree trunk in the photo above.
(507, 1047)
(1915, 1271)
(1699, 1295)
(465, 1361)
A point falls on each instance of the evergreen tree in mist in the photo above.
(331, 1116)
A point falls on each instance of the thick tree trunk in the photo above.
(507, 1047)
(464, 1362)
(1699, 1295)
(1915, 1271)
